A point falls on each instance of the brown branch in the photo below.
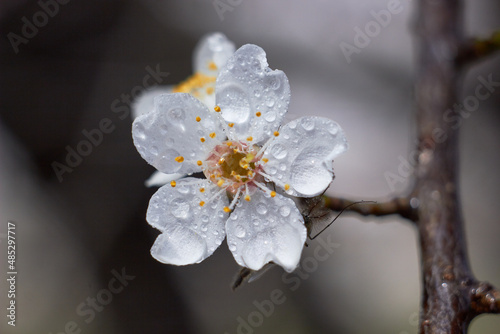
(396, 206)
(484, 298)
(448, 304)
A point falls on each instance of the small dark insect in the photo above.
(317, 218)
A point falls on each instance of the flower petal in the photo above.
(160, 179)
(191, 232)
(247, 87)
(144, 103)
(214, 47)
(171, 130)
(266, 229)
(303, 153)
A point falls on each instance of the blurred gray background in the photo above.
(73, 236)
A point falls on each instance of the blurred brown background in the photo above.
(74, 236)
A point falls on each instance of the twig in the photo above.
(397, 206)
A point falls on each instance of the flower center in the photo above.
(197, 85)
(232, 165)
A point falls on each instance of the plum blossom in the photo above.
(252, 167)
(210, 54)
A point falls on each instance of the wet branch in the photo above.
(451, 295)
(396, 206)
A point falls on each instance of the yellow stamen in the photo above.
(217, 108)
(273, 193)
(265, 160)
(199, 163)
(247, 198)
(198, 118)
(202, 190)
(202, 203)
(287, 186)
(220, 183)
(212, 135)
(229, 143)
(202, 139)
(179, 159)
(230, 125)
(258, 114)
(276, 133)
(173, 184)
(227, 209)
(212, 66)
(250, 138)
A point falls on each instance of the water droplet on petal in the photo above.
(307, 124)
(239, 231)
(261, 208)
(270, 116)
(179, 208)
(279, 151)
(284, 211)
(270, 102)
(153, 150)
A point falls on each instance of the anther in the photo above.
(202, 190)
(258, 114)
(212, 135)
(227, 209)
(217, 108)
(250, 138)
(212, 66)
(276, 133)
(273, 193)
(287, 186)
(230, 125)
(199, 162)
(173, 183)
(179, 159)
(202, 139)
(220, 183)
(247, 198)
(202, 203)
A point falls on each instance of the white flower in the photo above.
(241, 152)
(210, 54)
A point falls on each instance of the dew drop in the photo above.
(261, 208)
(270, 116)
(256, 93)
(239, 231)
(256, 222)
(279, 151)
(284, 211)
(179, 208)
(139, 131)
(176, 115)
(232, 247)
(307, 124)
(153, 150)
(270, 102)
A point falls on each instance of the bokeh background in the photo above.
(73, 235)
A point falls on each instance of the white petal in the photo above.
(160, 179)
(215, 48)
(245, 86)
(302, 155)
(266, 229)
(191, 232)
(144, 103)
(171, 130)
